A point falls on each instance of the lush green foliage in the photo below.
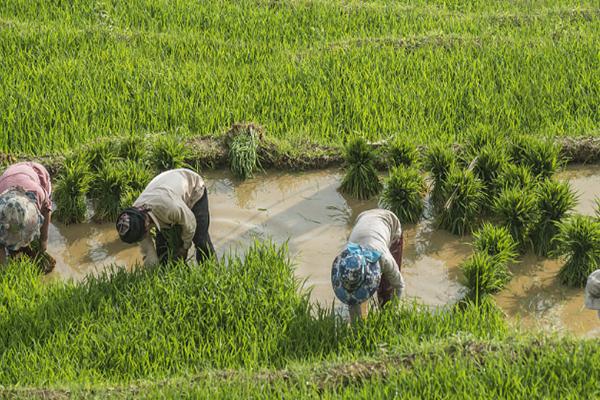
(439, 161)
(69, 191)
(181, 319)
(484, 274)
(108, 185)
(99, 154)
(132, 148)
(541, 156)
(515, 176)
(555, 201)
(169, 152)
(243, 159)
(464, 196)
(497, 242)
(402, 151)
(518, 211)
(361, 179)
(73, 71)
(488, 163)
(578, 241)
(403, 194)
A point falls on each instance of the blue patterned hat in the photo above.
(20, 219)
(355, 274)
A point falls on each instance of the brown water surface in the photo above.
(307, 211)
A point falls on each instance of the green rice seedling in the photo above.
(497, 242)
(517, 176)
(473, 142)
(99, 154)
(169, 152)
(518, 211)
(128, 197)
(108, 186)
(540, 155)
(555, 200)
(243, 157)
(69, 192)
(484, 275)
(402, 151)
(361, 179)
(464, 197)
(136, 174)
(403, 193)
(439, 161)
(488, 163)
(578, 242)
(132, 147)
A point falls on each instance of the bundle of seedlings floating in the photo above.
(169, 152)
(132, 147)
(402, 151)
(515, 176)
(242, 141)
(578, 242)
(517, 210)
(484, 275)
(440, 159)
(99, 154)
(361, 180)
(70, 191)
(555, 201)
(540, 155)
(464, 197)
(497, 242)
(403, 193)
(107, 188)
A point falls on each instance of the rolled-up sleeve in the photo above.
(390, 270)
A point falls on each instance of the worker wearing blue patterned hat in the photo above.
(370, 262)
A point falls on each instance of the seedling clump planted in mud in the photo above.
(402, 151)
(108, 186)
(541, 156)
(497, 242)
(484, 275)
(518, 211)
(578, 241)
(99, 154)
(439, 161)
(243, 147)
(70, 191)
(361, 179)
(464, 196)
(515, 176)
(403, 193)
(169, 152)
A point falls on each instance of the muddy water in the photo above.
(308, 211)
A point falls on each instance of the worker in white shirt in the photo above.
(370, 262)
(175, 198)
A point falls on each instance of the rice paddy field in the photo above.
(124, 88)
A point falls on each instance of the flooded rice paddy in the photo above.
(308, 212)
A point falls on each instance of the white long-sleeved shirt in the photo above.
(378, 229)
(169, 199)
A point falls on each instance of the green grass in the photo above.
(578, 243)
(361, 179)
(403, 194)
(322, 70)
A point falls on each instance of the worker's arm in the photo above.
(148, 251)
(181, 215)
(390, 270)
(44, 230)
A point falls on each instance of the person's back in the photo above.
(376, 229)
(176, 185)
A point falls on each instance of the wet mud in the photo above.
(307, 211)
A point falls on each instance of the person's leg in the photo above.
(162, 248)
(204, 246)
(386, 292)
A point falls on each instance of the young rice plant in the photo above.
(70, 191)
(109, 184)
(243, 157)
(361, 180)
(403, 151)
(403, 193)
(484, 275)
(464, 197)
(517, 210)
(169, 152)
(497, 242)
(439, 161)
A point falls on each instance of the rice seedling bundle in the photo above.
(132, 148)
(402, 151)
(439, 161)
(69, 192)
(488, 163)
(518, 211)
(497, 242)
(484, 275)
(169, 152)
(361, 179)
(464, 196)
(540, 155)
(555, 200)
(136, 174)
(243, 157)
(108, 186)
(403, 193)
(515, 176)
(578, 242)
(99, 154)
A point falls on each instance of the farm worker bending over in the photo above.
(25, 208)
(592, 291)
(370, 262)
(175, 200)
